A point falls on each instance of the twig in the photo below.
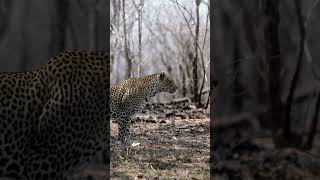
(188, 25)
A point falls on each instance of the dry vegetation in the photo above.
(163, 36)
(170, 36)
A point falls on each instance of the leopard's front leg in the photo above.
(124, 134)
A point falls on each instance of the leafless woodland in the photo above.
(162, 36)
(33, 31)
(172, 36)
(266, 109)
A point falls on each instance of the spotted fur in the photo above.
(131, 96)
(51, 119)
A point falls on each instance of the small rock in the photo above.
(186, 108)
(183, 116)
(196, 116)
(140, 176)
(170, 114)
(160, 117)
(135, 144)
(163, 121)
(162, 167)
(174, 138)
(138, 119)
(150, 120)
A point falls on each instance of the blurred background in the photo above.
(33, 31)
(170, 36)
(266, 110)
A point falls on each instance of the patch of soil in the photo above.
(173, 144)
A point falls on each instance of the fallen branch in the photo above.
(244, 119)
(181, 100)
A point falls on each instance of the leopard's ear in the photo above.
(162, 75)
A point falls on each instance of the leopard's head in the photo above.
(166, 83)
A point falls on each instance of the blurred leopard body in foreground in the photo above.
(131, 96)
(52, 119)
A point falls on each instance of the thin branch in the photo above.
(180, 7)
(294, 82)
(185, 9)
(188, 25)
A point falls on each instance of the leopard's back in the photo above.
(52, 118)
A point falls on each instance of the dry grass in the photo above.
(172, 147)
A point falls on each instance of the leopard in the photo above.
(132, 95)
(52, 118)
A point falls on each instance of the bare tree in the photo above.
(139, 8)
(174, 45)
(126, 48)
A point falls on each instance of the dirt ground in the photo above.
(171, 142)
(240, 156)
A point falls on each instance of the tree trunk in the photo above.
(92, 15)
(58, 36)
(195, 59)
(287, 133)
(126, 48)
(25, 54)
(272, 51)
(140, 36)
(184, 89)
